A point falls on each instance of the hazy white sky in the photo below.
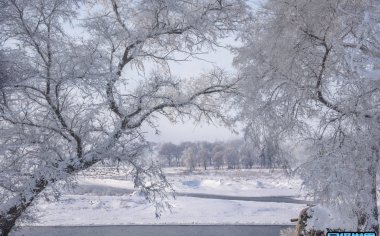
(190, 131)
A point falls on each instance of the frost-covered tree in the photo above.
(170, 152)
(217, 160)
(219, 147)
(231, 158)
(190, 158)
(204, 156)
(76, 102)
(312, 69)
(272, 155)
(248, 155)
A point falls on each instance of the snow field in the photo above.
(109, 199)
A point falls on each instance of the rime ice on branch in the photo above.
(72, 105)
(312, 74)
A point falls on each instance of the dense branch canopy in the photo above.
(68, 99)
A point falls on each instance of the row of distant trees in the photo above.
(220, 155)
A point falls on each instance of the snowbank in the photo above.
(322, 218)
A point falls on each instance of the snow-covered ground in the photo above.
(252, 183)
(104, 197)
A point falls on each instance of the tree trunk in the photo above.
(21, 202)
(368, 221)
(8, 219)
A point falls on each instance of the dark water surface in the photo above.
(153, 230)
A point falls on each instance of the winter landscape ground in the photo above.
(104, 196)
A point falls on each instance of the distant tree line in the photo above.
(236, 154)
